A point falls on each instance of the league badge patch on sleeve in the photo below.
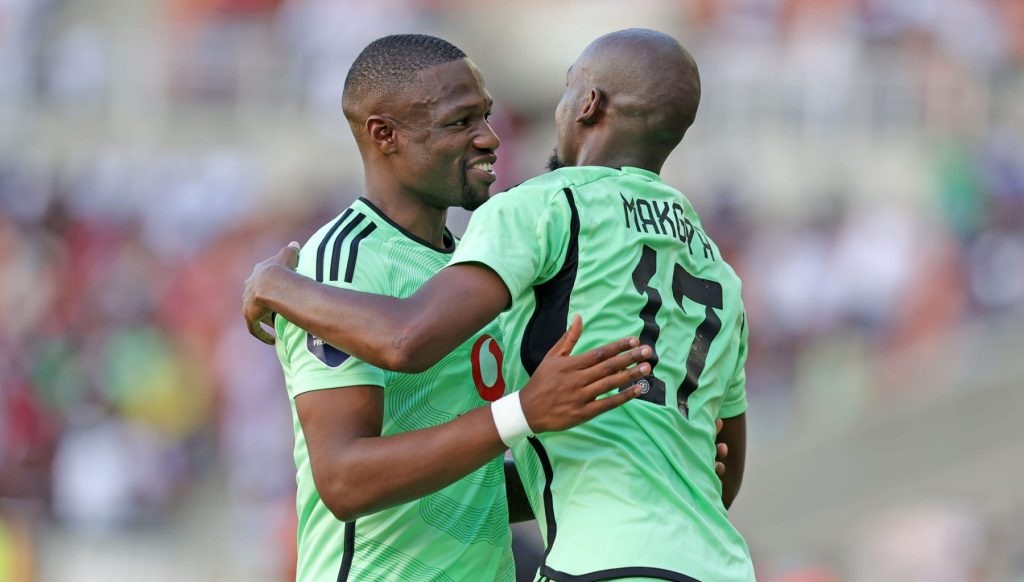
(324, 351)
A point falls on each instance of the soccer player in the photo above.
(633, 493)
(427, 500)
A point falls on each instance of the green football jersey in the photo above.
(632, 493)
(458, 533)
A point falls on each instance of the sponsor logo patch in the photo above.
(490, 384)
(324, 351)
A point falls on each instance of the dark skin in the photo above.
(345, 467)
(357, 471)
(732, 432)
(612, 114)
(419, 149)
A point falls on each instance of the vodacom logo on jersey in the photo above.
(490, 384)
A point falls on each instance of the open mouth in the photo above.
(483, 169)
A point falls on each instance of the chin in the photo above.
(473, 200)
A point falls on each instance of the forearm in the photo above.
(373, 473)
(405, 335)
(369, 327)
(730, 489)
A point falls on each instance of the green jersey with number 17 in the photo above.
(632, 493)
(458, 533)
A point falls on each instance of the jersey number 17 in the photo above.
(703, 291)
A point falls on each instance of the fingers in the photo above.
(721, 451)
(257, 331)
(614, 401)
(565, 344)
(263, 335)
(718, 426)
(720, 469)
(289, 255)
(619, 378)
(615, 363)
(599, 354)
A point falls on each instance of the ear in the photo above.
(593, 107)
(382, 134)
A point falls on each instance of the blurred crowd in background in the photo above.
(860, 163)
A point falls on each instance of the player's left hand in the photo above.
(567, 390)
(721, 451)
(253, 312)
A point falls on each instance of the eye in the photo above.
(460, 123)
(487, 116)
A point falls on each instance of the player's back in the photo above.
(457, 532)
(632, 492)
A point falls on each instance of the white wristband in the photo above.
(509, 418)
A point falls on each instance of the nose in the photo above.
(486, 138)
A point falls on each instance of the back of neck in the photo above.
(602, 152)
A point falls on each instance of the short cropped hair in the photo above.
(388, 63)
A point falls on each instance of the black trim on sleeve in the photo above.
(348, 551)
(322, 248)
(353, 253)
(336, 254)
(551, 313)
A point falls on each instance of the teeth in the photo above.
(485, 166)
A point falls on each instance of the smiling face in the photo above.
(448, 146)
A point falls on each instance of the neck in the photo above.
(407, 211)
(600, 150)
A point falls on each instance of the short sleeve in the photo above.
(313, 364)
(734, 403)
(522, 235)
(317, 365)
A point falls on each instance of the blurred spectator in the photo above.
(939, 543)
(860, 162)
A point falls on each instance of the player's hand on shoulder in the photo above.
(253, 312)
(564, 390)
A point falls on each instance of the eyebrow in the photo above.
(467, 107)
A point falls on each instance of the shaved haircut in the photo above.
(389, 64)
(650, 80)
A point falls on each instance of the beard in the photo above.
(471, 199)
(554, 162)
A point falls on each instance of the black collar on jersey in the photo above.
(447, 237)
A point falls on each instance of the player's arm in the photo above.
(357, 471)
(406, 335)
(518, 503)
(522, 238)
(734, 436)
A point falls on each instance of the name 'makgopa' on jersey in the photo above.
(632, 493)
